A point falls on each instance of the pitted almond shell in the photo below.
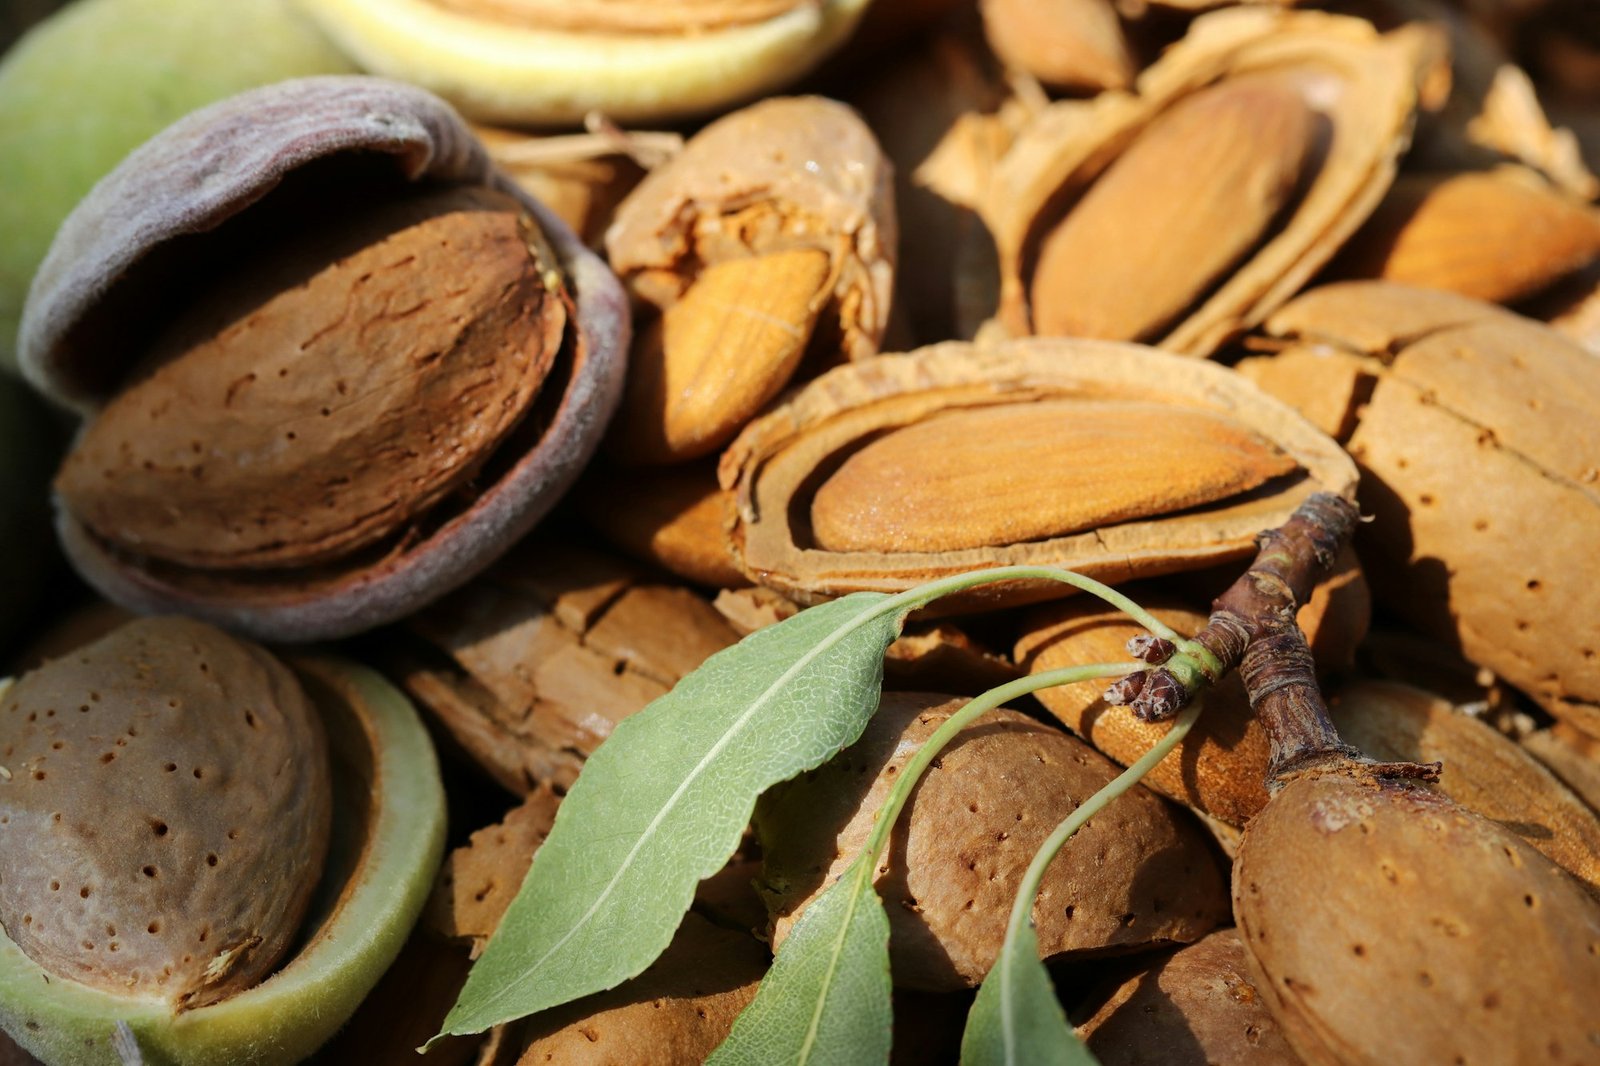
(1220, 768)
(150, 849)
(1572, 756)
(1138, 873)
(1495, 235)
(501, 61)
(531, 666)
(1360, 86)
(1484, 770)
(1481, 451)
(1379, 916)
(125, 240)
(388, 838)
(783, 174)
(780, 462)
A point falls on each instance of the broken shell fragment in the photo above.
(1216, 221)
(853, 482)
(326, 441)
(542, 62)
(1138, 873)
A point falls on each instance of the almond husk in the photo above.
(1220, 768)
(1360, 86)
(1496, 235)
(532, 666)
(776, 463)
(1484, 770)
(1481, 459)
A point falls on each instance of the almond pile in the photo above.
(569, 344)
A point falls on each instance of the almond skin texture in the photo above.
(1384, 923)
(359, 372)
(1184, 203)
(165, 812)
(1138, 873)
(1033, 471)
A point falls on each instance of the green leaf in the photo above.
(826, 999)
(1017, 1018)
(663, 802)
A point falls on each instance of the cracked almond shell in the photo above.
(387, 842)
(543, 63)
(206, 182)
(1110, 459)
(1345, 93)
(1480, 457)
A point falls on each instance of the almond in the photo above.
(718, 354)
(1026, 472)
(1064, 43)
(1180, 206)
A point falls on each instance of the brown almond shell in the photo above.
(772, 467)
(1480, 449)
(1362, 84)
(166, 207)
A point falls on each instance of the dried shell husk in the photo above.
(581, 178)
(1480, 454)
(507, 63)
(1382, 919)
(1484, 770)
(1138, 873)
(1495, 235)
(1360, 89)
(1220, 768)
(531, 667)
(783, 174)
(165, 211)
(1193, 1006)
(777, 463)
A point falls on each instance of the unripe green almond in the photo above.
(388, 840)
(100, 77)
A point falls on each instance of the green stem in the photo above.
(1022, 907)
(942, 736)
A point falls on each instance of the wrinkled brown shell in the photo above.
(785, 173)
(1484, 770)
(1362, 83)
(1191, 1007)
(530, 667)
(1481, 450)
(165, 811)
(1220, 768)
(1138, 873)
(158, 214)
(773, 465)
(1382, 917)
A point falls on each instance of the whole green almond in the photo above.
(98, 78)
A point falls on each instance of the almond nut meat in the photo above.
(771, 235)
(1480, 457)
(1114, 460)
(1183, 213)
(1139, 873)
(163, 821)
(358, 422)
(671, 516)
(545, 62)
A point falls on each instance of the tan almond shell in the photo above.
(1571, 756)
(1497, 235)
(1382, 919)
(480, 878)
(798, 172)
(1480, 448)
(1137, 874)
(771, 464)
(167, 804)
(1362, 82)
(1484, 770)
(1220, 769)
(216, 163)
(530, 667)
(1189, 1007)
(1066, 44)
